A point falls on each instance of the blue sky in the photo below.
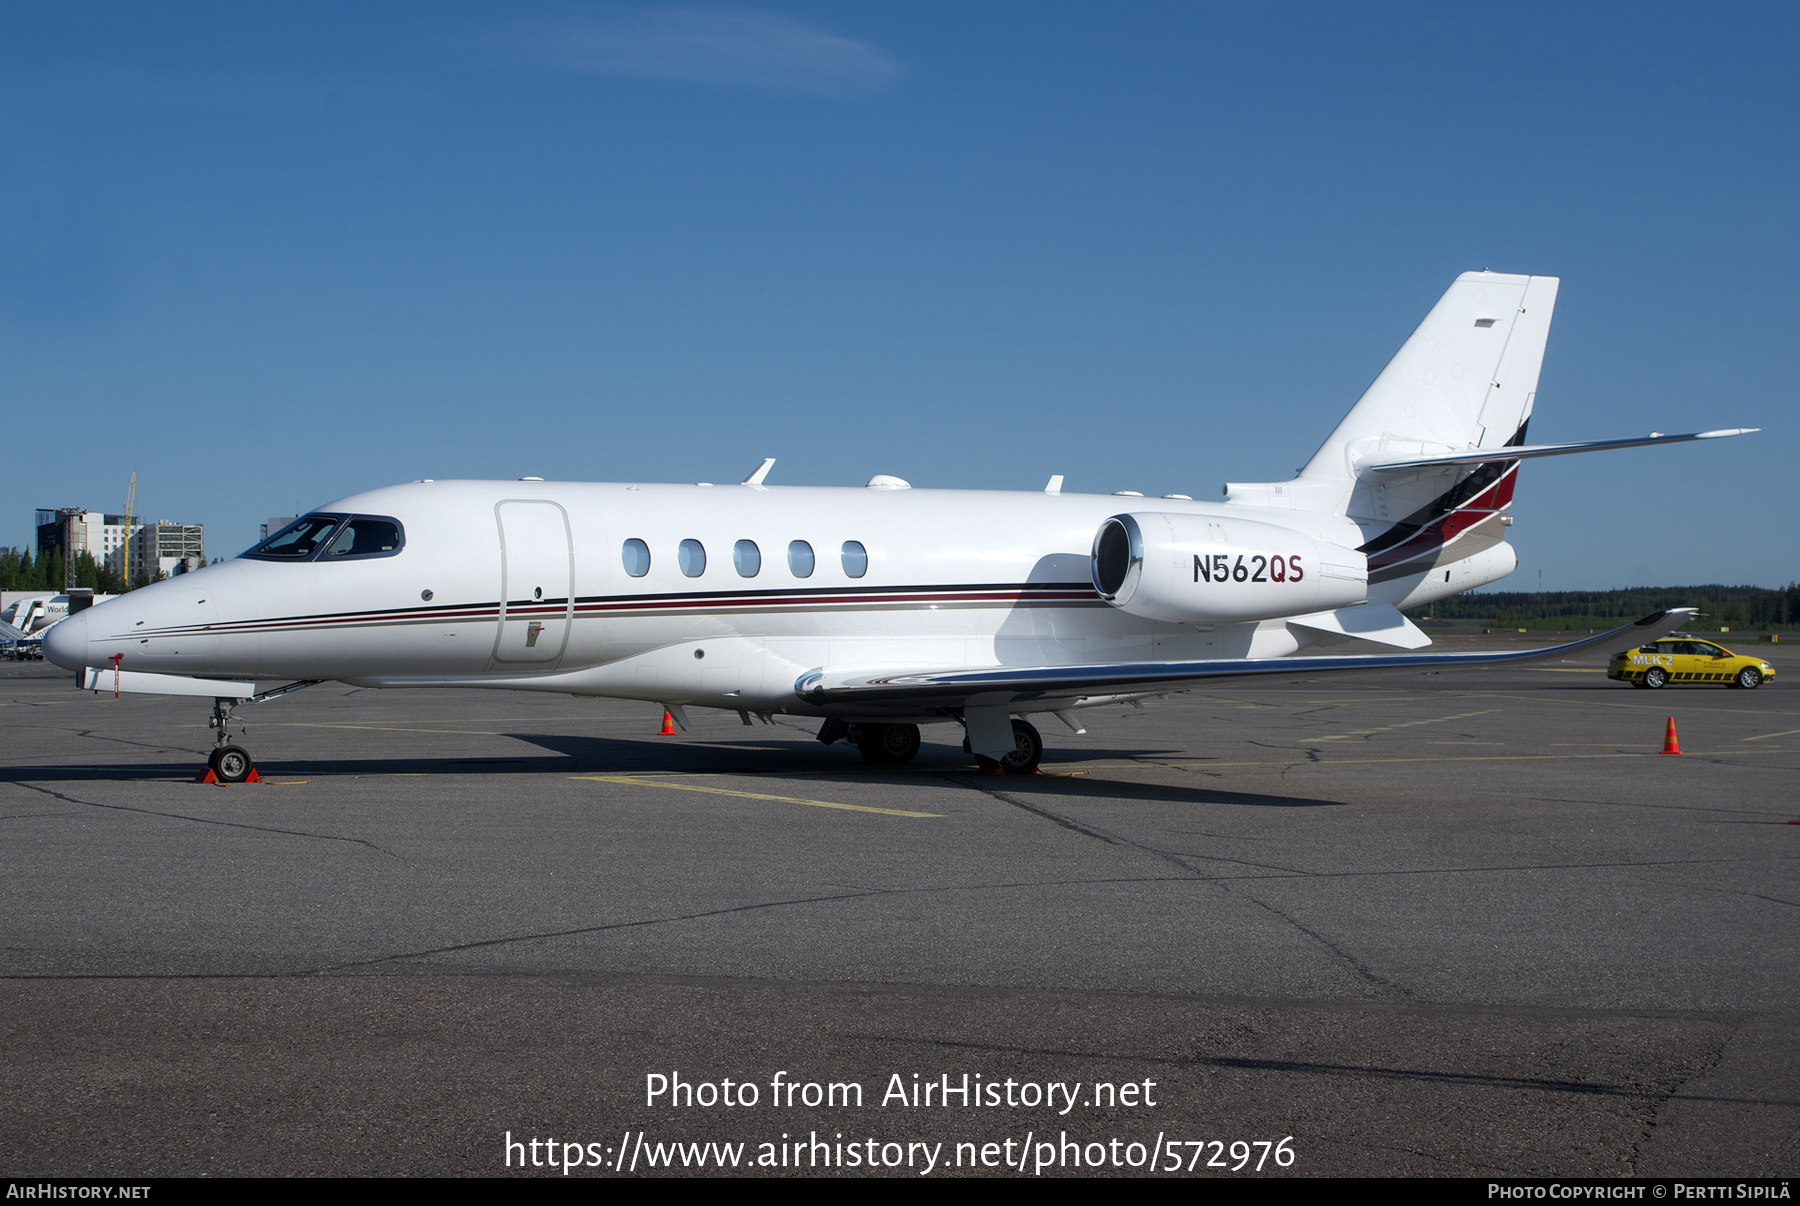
(269, 255)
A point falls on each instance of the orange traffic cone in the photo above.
(1670, 745)
(668, 729)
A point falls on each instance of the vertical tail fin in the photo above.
(1466, 378)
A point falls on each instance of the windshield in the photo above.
(299, 540)
(365, 536)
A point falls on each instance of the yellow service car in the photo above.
(1680, 660)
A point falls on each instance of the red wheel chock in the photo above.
(209, 776)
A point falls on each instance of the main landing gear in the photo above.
(891, 744)
(1027, 752)
(886, 744)
(228, 762)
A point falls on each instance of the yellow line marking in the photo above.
(1766, 736)
(1173, 763)
(287, 782)
(1405, 724)
(636, 781)
(1562, 670)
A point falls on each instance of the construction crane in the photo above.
(130, 521)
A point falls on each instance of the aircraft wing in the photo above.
(1001, 685)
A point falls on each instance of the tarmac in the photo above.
(1468, 923)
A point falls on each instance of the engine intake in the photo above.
(1191, 569)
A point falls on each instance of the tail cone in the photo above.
(1670, 745)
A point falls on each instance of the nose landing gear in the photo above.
(228, 762)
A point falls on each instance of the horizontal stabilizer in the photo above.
(1390, 462)
(1378, 622)
(1042, 686)
(136, 682)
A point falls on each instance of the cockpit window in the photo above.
(333, 538)
(364, 536)
(299, 540)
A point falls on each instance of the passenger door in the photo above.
(536, 581)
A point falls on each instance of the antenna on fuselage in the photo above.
(762, 471)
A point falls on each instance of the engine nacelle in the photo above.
(1192, 569)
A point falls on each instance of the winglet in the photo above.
(762, 471)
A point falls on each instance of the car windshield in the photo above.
(298, 541)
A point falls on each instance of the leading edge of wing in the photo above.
(950, 688)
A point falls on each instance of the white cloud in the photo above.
(712, 45)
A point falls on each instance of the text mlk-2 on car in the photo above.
(1688, 661)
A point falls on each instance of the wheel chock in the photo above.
(987, 766)
(210, 776)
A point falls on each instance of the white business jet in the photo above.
(881, 609)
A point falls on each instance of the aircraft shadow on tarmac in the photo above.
(762, 756)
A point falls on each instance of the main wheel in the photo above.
(1655, 677)
(1749, 678)
(231, 763)
(885, 744)
(1028, 750)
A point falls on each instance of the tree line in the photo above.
(1736, 607)
(19, 570)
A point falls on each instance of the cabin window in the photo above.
(299, 540)
(800, 559)
(747, 558)
(364, 536)
(856, 559)
(636, 556)
(692, 556)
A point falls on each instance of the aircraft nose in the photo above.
(66, 642)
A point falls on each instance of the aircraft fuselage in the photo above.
(526, 585)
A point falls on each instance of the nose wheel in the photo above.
(228, 762)
(231, 764)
